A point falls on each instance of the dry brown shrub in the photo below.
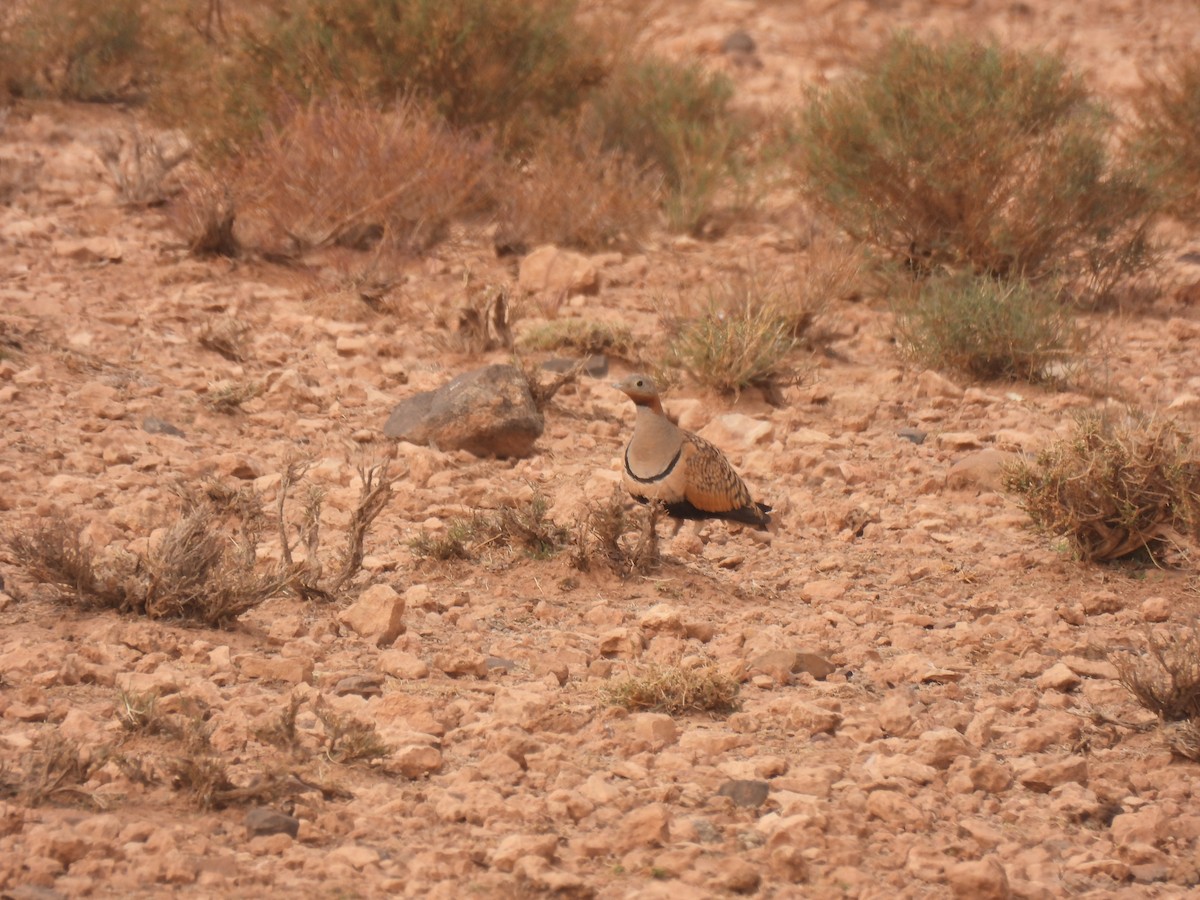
(204, 215)
(1164, 677)
(607, 532)
(676, 691)
(55, 768)
(523, 526)
(345, 174)
(348, 739)
(572, 193)
(1115, 488)
(226, 336)
(1167, 136)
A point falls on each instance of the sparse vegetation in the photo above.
(986, 327)
(1164, 677)
(604, 533)
(965, 155)
(1115, 487)
(676, 690)
(581, 336)
(525, 527)
(54, 769)
(741, 337)
(1167, 136)
(228, 396)
(349, 740)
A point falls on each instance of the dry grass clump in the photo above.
(676, 691)
(581, 336)
(524, 527)
(141, 164)
(1164, 678)
(987, 328)
(741, 337)
(204, 214)
(228, 396)
(54, 769)
(347, 739)
(1167, 135)
(606, 532)
(971, 156)
(339, 173)
(226, 336)
(203, 567)
(1115, 488)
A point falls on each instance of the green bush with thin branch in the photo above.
(1167, 135)
(987, 328)
(963, 154)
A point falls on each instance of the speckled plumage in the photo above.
(689, 475)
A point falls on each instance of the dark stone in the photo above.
(739, 42)
(260, 820)
(488, 412)
(916, 435)
(751, 794)
(155, 425)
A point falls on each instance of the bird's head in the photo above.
(641, 390)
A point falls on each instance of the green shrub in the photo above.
(970, 155)
(677, 120)
(987, 327)
(1115, 488)
(1167, 136)
(500, 63)
(79, 49)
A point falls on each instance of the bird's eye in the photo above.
(640, 383)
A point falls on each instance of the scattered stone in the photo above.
(1043, 778)
(359, 685)
(403, 665)
(934, 384)
(915, 435)
(551, 270)
(377, 615)
(657, 729)
(983, 470)
(1059, 677)
(516, 846)
(461, 662)
(1155, 609)
(290, 669)
(748, 793)
(979, 879)
(646, 826)
(487, 412)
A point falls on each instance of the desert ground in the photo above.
(928, 706)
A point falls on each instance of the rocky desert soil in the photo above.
(963, 743)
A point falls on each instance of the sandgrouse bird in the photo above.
(687, 474)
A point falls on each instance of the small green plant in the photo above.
(961, 154)
(987, 328)
(677, 120)
(1167, 135)
(676, 691)
(740, 338)
(1115, 488)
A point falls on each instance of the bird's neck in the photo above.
(649, 406)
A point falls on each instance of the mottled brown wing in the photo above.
(712, 484)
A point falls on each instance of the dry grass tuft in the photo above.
(1115, 487)
(55, 769)
(347, 739)
(676, 691)
(1164, 677)
(582, 336)
(606, 532)
(226, 336)
(741, 336)
(227, 397)
(204, 215)
(524, 527)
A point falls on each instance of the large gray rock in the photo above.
(488, 412)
